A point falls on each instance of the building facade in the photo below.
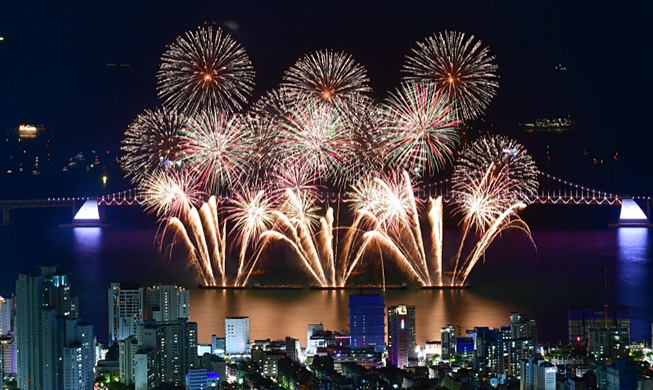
(401, 335)
(367, 321)
(236, 335)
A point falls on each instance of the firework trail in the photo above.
(152, 142)
(389, 208)
(205, 69)
(218, 148)
(492, 178)
(317, 247)
(203, 236)
(251, 212)
(418, 129)
(459, 65)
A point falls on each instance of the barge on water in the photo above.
(259, 286)
(222, 286)
(446, 287)
(320, 287)
(402, 286)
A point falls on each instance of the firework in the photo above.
(327, 77)
(510, 161)
(458, 64)
(152, 142)
(203, 69)
(491, 179)
(170, 192)
(319, 138)
(418, 129)
(264, 119)
(219, 148)
(393, 217)
(317, 247)
(202, 235)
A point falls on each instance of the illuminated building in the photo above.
(125, 311)
(175, 350)
(609, 343)
(201, 379)
(448, 341)
(127, 350)
(53, 347)
(537, 375)
(311, 329)
(7, 346)
(218, 345)
(167, 303)
(367, 321)
(488, 350)
(236, 335)
(465, 348)
(401, 335)
(519, 342)
(580, 320)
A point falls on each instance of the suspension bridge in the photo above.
(86, 211)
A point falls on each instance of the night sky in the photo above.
(53, 59)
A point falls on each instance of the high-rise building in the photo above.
(448, 340)
(310, 330)
(401, 335)
(367, 321)
(293, 348)
(519, 342)
(580, 320)
(167, 303)
(175, 346)
(7, 346)
(236, 335)
(488, 350)
(218, 345)
(53, 347)
(127, 350)
(537, 375)
(126, 310)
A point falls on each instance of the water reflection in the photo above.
(279, 313)
(634, 275)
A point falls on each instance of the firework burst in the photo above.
(458, 64)
(152, 142)
(170, 192)
(510, 161)
(329, 77)
(418, 129)
(219, 148)
(492, 178)
(320, 138)
(203, 69)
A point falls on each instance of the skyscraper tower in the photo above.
(401, 335)
(448, 341)
(237, 335)
(54, 349)
(367, 321)
(125, 311)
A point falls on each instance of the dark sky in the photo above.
(54, 54)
